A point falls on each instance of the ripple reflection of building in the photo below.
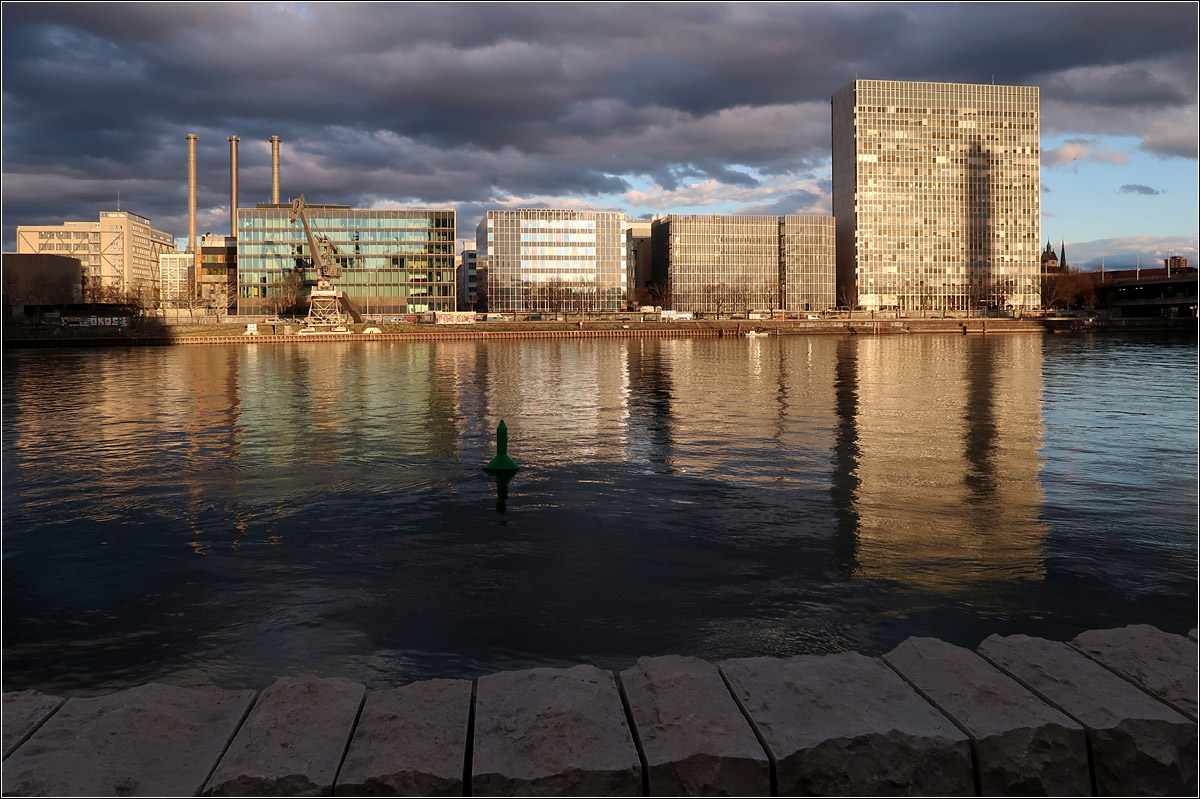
(936, 459)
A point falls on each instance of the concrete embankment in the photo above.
(599, 329)
(1111, 713)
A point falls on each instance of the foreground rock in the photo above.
(410, 741)
(1161, 663)
(847, 725)
(695, 739)
(153, 740)
(1139, 745)
(24, 712)
(1022, 745)
(293, 740)
(547, 732)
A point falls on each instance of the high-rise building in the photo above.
(393, 262)
(468, 280)
(638, 258)
(119, 252)
(710, 263)
(554, 260)
(936, 191)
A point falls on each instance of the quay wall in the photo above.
(1113, 712)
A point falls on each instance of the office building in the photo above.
(715, 264)
(177, 278)
(543, 260)
(119, 251)
(638, 259)
(393, 263)
(218, 273)
(936, 191)
(468, 280)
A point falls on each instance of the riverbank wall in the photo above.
(150, 335)
(1113, 712)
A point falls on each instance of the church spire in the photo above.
(1062, 256)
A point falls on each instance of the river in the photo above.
(224, 515)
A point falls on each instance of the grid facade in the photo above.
(550, 260)
(806, 253)
(119, 251)
(937, 195)
(393, 262)
(717, 264)
(176, 276)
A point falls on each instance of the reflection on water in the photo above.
(225, 515)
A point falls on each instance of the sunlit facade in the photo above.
(119, 251)
(937, 192)
(717, 264)
(551, 260)
(393, 262)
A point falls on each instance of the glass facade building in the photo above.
(393, 262)
(937, 195)
(715, 264)
(549, 260)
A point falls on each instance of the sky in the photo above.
(643, 108)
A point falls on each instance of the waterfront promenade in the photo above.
(1113, 712)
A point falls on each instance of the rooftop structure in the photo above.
(937, 191)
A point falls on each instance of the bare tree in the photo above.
(284, 294)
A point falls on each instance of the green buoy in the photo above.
(501, 463)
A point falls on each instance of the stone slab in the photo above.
(1023, 747)
(1139, 745)
(1161, 663)
(847, 724)
(694, 737)
(292, 742)
(153, 740)
(1193, 632)
(24, 712)
(553, 732)
(410, 741)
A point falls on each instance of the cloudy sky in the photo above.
(686, 108)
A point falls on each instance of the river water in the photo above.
(224, 515)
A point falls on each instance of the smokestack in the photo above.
(191, 140)
(233, 191)
(275, 170)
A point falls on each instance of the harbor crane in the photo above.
(324, 307)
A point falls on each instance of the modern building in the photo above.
(937, 191)
(638, 258)
(715, 264)
(468, 280)
(177, 278)
(119, 252)
(552, 260)
(394, 263)
(218, 273)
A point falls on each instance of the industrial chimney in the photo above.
(191, 140)
(233, 187)
(275, 170)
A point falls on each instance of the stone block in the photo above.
(24, 712)
(153, 740)
(847, 724)
(553, 732)
(1022, 745)
(1139, 745)
(1193, 632)
(292, 742)
(1161, 663)
(410, 741)
(694, 737)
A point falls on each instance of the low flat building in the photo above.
(554, 260)
(734, 264)
(394, 263)
(40, 281)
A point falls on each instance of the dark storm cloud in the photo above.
(469, 104)
(1137, 188)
